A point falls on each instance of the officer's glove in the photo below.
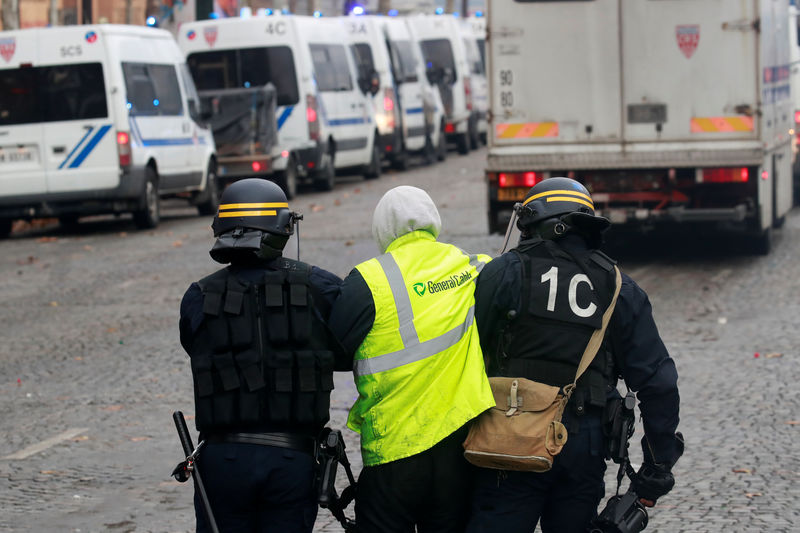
(651, 482)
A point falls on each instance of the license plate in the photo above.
(15, 155)
(511, 195)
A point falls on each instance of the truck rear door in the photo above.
(554, 71)
(689, 70)
(21, 134)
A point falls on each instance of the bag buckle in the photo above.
(514, 401)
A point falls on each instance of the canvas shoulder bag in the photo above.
(523, 431)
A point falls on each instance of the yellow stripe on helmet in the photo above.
(254, 206)
(568, 199)
(562, 192)
(226, 214)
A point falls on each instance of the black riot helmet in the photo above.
(555, 206)
(253, 222)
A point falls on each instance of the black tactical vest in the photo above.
(262, 356)
(564, 296)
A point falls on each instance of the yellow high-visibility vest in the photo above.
(419, 372)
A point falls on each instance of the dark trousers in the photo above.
(565, 498)
(257, 489)
(429, 490)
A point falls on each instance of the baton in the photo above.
(188, 449)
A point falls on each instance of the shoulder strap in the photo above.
(597, 336)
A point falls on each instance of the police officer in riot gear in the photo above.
(536, 307)
(262, 364)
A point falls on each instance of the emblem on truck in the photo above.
(7, 47)
(210, 34)
(688, 35)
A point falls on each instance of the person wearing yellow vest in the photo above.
(407, 316)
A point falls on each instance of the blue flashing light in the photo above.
(151, 21)
(247, 84)
(455, 13)
(156, 102)
(285, 11)
(213, 15)
(129, 105)
(392, 13)
(358, 10)
(439, 10)
(317, 14)
(479, 14)
(268, 11)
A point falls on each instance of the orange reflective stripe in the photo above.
(569, 199)
(248, 214)
(721, 124)
(559, 192)
(525, 130)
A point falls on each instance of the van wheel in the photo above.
(210, 197)
(287, 180)
(326, 177)
(463, 143)
(441, 152)
(400, 160)
(5, 227)
(373, 170)
(761, 242)
(149, 215)
(472, 130)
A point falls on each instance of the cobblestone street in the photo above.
(92, 368)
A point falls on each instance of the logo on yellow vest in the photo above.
(456, 280)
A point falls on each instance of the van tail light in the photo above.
(449, 128)
(124, 148)
(797, 116)
(389, 107)
(726, 175)
(516, 179)
(468, 93)
(312, 116)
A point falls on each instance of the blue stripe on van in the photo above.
(167, 142)
(414, 111)
(89, 147)
(346, 121)
(284, 115)
(74, 148)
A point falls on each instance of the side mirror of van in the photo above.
(374, 83)
(205, 112)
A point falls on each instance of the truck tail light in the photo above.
(124, 148)
(312, 117)
(797, 116)
(726, 175)
(516, 179)
(468, 93)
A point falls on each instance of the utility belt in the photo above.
(292, 441)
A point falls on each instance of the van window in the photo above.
(408, 63)
(482, 49)
(438, 55)
(52, 94)
(473, 57)
(152, 89)
(247, 67)
(362, 54)
(331, 69)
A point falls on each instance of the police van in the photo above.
(99, 119)
(447, 65)
(323, 118)
(388, 59)
(474, 35)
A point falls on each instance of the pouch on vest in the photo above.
(304, 411)
(225, 394)
(250, 393)
(279, 399)
(277, 323)
(325, 362)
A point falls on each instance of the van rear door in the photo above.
(21, 135)
(80, 150)
(570, 91)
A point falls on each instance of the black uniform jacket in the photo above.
(634, 340)
(325, 283)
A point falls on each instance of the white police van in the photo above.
(323, 118)
(447, 65)
(474, 40)
(98, 119)
(389, 60)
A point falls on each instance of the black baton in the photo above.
(189, 450)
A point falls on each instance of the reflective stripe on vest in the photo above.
(413, 350)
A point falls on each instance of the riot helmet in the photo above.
(253, 222)
(556, 206)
